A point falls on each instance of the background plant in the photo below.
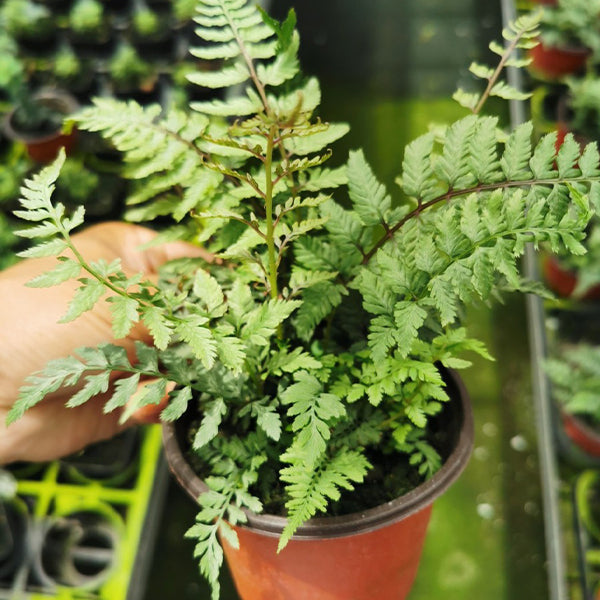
(29, 114)
(86, 16)
(25, 19)
(582, 103)
(312, 349)
(66, 64)
(575, 375)
(127, 68)
(146, 22)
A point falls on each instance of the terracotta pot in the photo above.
(562, 281)
(584, 436)
(369, 555)
(549, 62)
(44, 148)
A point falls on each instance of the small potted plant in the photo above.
(72, 73)
(14, 525)
(131, 75)
(311, 369)
(569, 38)
(13, 169)
(151, 33)
(574, 371)
(35, 119)
(8, 241)
(89, 29)
(30, 23)
(571, 106)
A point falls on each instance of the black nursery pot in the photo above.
(370, 554)
(111, 461)
(161, 48)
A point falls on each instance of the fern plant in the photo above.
(312, 348)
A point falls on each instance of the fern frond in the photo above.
(310, 489)
(318, 301)
(369, 197)
(313, 413)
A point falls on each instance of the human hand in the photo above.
(31, 336)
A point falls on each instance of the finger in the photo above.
(34, 436)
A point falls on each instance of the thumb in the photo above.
(144, 406)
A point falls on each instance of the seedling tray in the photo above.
(82, 528)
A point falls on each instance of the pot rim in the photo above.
(365, 521)
(575, 418)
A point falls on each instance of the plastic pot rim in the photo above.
(359, 522)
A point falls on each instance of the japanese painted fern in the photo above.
(314, 344)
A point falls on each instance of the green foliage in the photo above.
(574, 372)
(184, 10)
(86, 16)
(66, 65)
(146, 22)
(572, 23)
(319, 334)
(25, 19)
(584, 102)
(127, 68)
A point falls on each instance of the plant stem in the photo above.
(492, 80)
(269, 214)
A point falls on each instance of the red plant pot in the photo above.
(380, 564)
(44, 148)
(550, 62)
(562, 281)
(369, 555)
(581, 434)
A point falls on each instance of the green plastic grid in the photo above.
(51, 491)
